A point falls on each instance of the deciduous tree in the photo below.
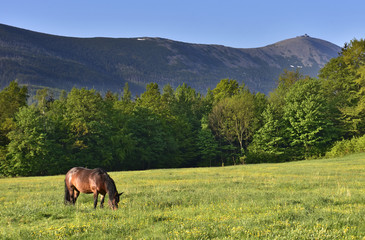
(305, 113)
(234, 119)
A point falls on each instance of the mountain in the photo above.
(39, 59)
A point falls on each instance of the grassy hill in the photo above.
(107, 63)
(318, 199)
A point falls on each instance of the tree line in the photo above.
(170, 128)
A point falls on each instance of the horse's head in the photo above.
(114, 202)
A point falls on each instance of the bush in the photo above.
(265, 157)
(344, 147)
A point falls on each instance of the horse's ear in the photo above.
(120, 193)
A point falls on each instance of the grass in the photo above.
(317, 199)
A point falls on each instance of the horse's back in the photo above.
(86, 180)
(76, 170)
(82, 170)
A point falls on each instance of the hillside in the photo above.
(107, 63)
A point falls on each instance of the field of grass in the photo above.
(317, 199)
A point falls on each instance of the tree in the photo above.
(188, 105)
(270, 142)
(305, 112)
(286, 80)
(207, 103)
(208, 146)
(12, 98)
(125, 104)
(225, 88)
(151, 98)
(233, 119)
(57, 136)
(168, 99)
(89, 128)
(168, 95)
(187, 112)
(354, 58)
(261, 103)
(344, 81)
(44, 98)
(28, 148)
(110, 97)
(154, 145)
(126, 95)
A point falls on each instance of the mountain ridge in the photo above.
(108, 63)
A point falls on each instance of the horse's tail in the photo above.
(67, 194)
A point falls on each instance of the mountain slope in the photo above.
(107, 63)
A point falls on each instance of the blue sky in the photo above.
(234, 23)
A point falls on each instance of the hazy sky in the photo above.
(235, 23)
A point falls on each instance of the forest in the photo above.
(301, 118)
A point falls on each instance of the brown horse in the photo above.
(94, 181)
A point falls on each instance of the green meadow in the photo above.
(312, 199)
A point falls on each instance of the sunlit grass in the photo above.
(318, 199)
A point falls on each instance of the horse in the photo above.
(87, 181)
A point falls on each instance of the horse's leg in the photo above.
(77, 193)
(95, 199)
(71, 190)
(67, 194)
(102, 201)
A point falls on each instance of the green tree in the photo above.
(207, 102)
(44, 98)
(261, 103)
(154, 145)
(225, 88)
(286, 80)
(354, 58)
(207, 145)
(39, 138)
(305, 112)
(234, 118)
(151, 98)
(89, 127)
(168, 98)
(344, 80)
(125, 104)
(187, 112)
(57, 137)
(12, 98)
(270, 142)
(63, 95)
(126, 95)
(27, 150)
